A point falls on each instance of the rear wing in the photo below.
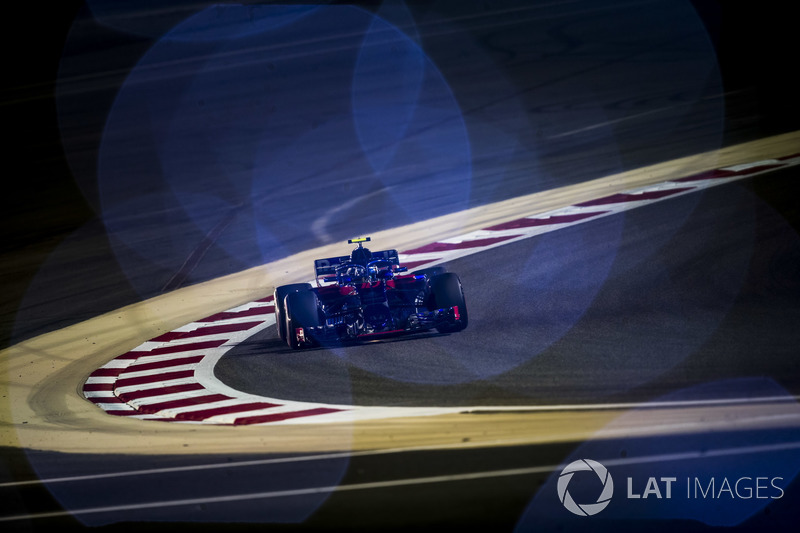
(327, 267)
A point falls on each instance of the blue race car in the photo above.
(366, 295)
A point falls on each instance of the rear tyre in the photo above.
(446, 291)
(302, 311)
(280, 297)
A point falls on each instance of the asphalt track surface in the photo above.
(695, 291)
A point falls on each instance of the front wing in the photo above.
(418, 322)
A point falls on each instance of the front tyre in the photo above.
(279, 297)
(446, 291)
(302, 312)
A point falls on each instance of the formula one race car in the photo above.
(366, 295)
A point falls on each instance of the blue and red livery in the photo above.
(366, 295)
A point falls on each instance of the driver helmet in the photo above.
(354, 273)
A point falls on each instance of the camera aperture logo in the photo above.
(585, 509)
